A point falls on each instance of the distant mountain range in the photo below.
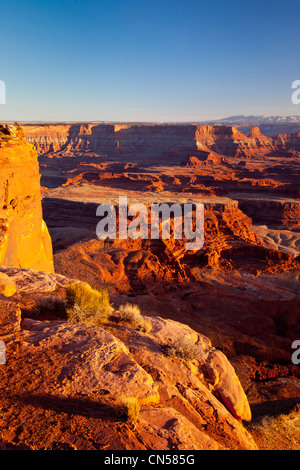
(269, 125)
(257, 119)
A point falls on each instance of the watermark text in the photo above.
(296, 93)
(2, 92)
(296, 354)
(2, 352)
(152, 222)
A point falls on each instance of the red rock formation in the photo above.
(256, 134)
(24, 237)
(203, 159)
(227, 140)
(272, 212)
(164, 143)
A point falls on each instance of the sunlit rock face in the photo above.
(24, 237)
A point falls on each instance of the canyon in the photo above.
(238, 296)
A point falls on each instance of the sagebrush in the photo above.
(131, 313)
(85, 304)
(129, 409)
(184, 348)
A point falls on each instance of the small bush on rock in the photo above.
(185, 349)
(129, 410)
(86, 305)
(131, 313)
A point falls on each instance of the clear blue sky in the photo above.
(140, 60)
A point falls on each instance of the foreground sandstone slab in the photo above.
(63, 383)
(85, 360)
(32, 281)
(186, 387)
(224, 380)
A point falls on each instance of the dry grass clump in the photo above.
(131, 313)
(279, 432)
(86, 305)
(184, 348)
(128, 410)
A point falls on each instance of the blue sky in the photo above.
(129, 60)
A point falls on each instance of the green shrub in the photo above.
(131, 313)
(86, 305)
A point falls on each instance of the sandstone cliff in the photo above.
(159, 142)
(24, 237)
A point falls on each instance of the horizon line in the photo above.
(241, 117)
